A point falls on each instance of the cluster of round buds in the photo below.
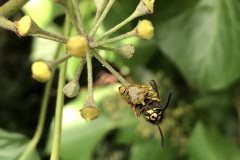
(85, 45)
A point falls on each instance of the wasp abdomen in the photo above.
(124, 93)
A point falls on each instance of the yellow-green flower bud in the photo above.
(127, 51)
(145, 29)
(41, 71)
(24, 25)
(78, 46)
(89, 113)
(149, 5)
(90, 110)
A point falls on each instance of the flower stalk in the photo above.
(38, 133)
(126, 50)
(100, 5)
(112, 40)
(57, 133)
(109, 67)
(101, 18)
(79, 18)
(139, 11)
(8, 25)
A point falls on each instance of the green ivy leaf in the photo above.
(43, 18)
(206, 144)
(202, 39)
(150, 149)
(12, 146)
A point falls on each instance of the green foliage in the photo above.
(195, 50)
(51, 10)
(79, 138)
(202, 39)
(12, 146)
(205, 143)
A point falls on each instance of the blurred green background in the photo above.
(194, 54)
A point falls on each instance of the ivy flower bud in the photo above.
(90, 110)
(72, 88)
(145, 29)
(41, 71)
(78, 46)
(149, 5)
(127, 51)
(24, 25)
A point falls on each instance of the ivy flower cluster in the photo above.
(86, 45)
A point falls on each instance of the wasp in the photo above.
(139, 95)
(153, 110)
(147, 103)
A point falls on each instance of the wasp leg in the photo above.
(140, 111)
(142, 86)
(134, 109)
(137, 115)
(153, 93)
(152, 98)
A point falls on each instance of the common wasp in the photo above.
(137, 95)
(153, 110)
(147, 103)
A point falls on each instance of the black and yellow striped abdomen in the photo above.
(124, 93)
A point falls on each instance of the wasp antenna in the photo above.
(161, 135)
(168, 101)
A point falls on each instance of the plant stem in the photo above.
(60, 101)
(114, 29)
(80, 68)
(69, 11)
(109, 67)
(61, 59)
(6, 24)
(101, 18)
(58, 114)
(37, 135)
(108, 48)
(115, 39)
(51, 36)
(11, 7)
(79, 17)
(100, 7)
(90, 79)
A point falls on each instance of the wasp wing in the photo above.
(154, 86)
